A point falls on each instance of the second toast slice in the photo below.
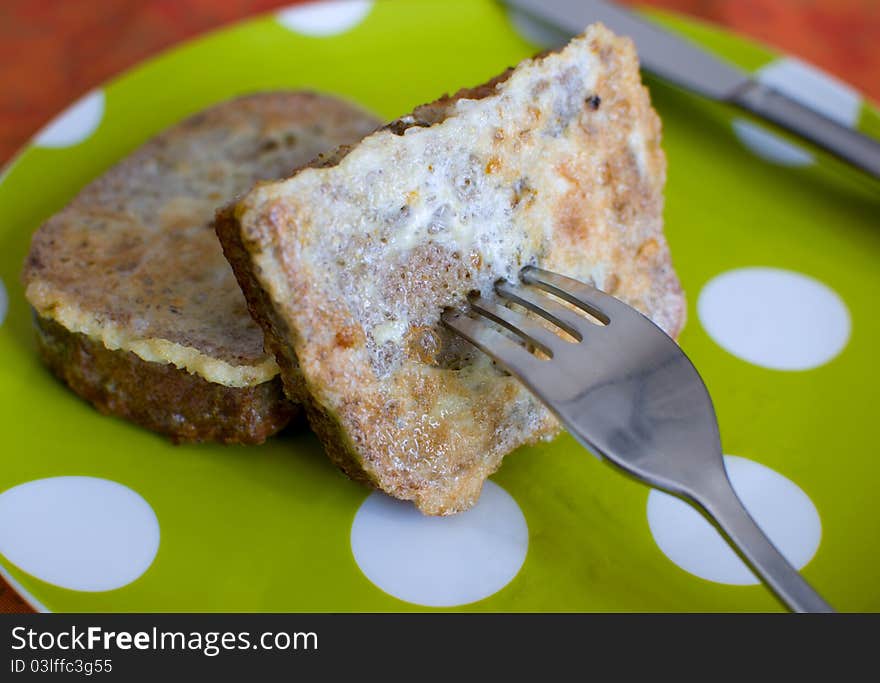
(136, 308)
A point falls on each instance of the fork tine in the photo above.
(594, 301)
(481, 334)
(538, 302)
(520, 325)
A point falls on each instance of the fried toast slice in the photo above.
(348, 264)
(136, 308)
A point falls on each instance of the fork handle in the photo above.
(720, 501)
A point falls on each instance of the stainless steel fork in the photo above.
(626, 391)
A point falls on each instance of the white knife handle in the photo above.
(845, 143)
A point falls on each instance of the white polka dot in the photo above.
(777, 319)
(779, 506)
(809, 86)
(814, 88)
(770, 146)
(4, 302)
(440, 561)
(75, 124)
(328, 18)
(536, 31)
(82, 533)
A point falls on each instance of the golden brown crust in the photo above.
(329, 430)
(274, 329)
(182, 406)
(348, 264)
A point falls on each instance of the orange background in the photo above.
(53, 51)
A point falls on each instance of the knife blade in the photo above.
(689, 66)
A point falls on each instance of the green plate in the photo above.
(777, 249)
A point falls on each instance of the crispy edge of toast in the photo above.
(326, 427)
(180, 405)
